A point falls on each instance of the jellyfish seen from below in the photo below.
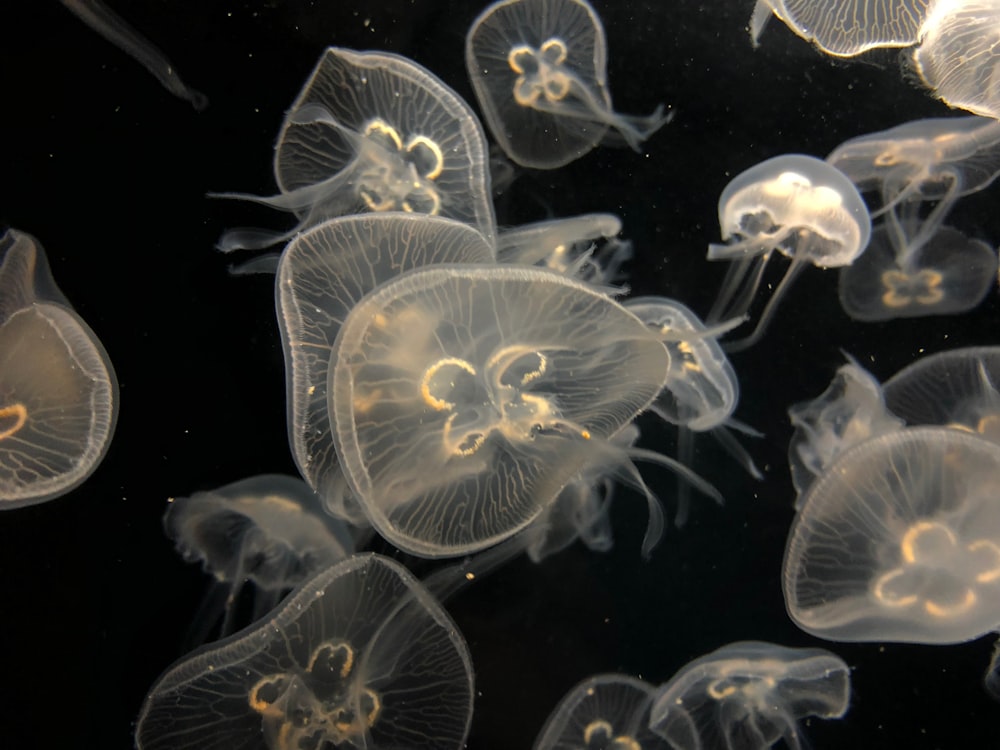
(851, 410)
(539, 69)
(361, 655)
(58, 392)
(750, 695)
(267, 530)
(900, 541)
(798, 205)
(374, 132)
(322, 274)
(604, 712)
(959, 388)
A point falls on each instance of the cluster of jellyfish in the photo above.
(458, 390)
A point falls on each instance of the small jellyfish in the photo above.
(750, 695)
(58, 392)
(900, 541)
(361, 655)
(322, 274)
(851, 410)
(539, 70)
(374, 132)
(959, 388)
(845, 28)
(798, 205)
(991, 679)
(604, 712)
(267, 530)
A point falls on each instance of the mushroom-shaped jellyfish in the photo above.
(58, 392)
(373, 132)
(900, 541)
(539, 69)
(959, 388)
(957, 56)
(268, 530)
(750, 695)
(466, 398)
(798, 205)
(322, 274)
(851, 410)
(361, 655)
(845, 28)
(603, 712)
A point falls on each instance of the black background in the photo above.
(110, 172)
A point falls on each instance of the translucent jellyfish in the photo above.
(991, 680)
(851, 410)
(750, 695)
(322, 274)
(845, 28)
(539, 69)
(267, 530)
(466, 398)
(604, 712)
(958, 388)
(798, 205)
(373, 132)
(361, 655)
(900, 541)
(58, 392)
(112, 27)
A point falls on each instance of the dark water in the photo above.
(110, 173)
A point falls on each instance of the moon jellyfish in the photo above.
(267, 530)
(112, 27)
(798, 205)
(361, 655)
(606, 711)
(58, 392)
(958, 388)
(851, 410)
(845, 28)
(374, 132)
(750, 695)
(900, 541)
(539, 70)
(322, 274)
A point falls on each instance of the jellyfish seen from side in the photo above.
(58, 391)
(539, 69)
(750, 695)
(267, 530)
(603, 712)
(361, 655)
(797, 205)
(375, 132)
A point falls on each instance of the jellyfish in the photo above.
(603, 712)
(845, 28)
(322, 274)
(851, 410)
(268, 530)
(959, 388)
(539, 71)
(900, 541)
(750, 695)
(798, 205)
(991, 679)
(58, 392)
(375, 132)
(112, 27)
(464, 398)
(360, 655)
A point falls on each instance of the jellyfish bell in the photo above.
(58, 391)
(750, 695)
(797, 205)
(539, 69)
(375, 132)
